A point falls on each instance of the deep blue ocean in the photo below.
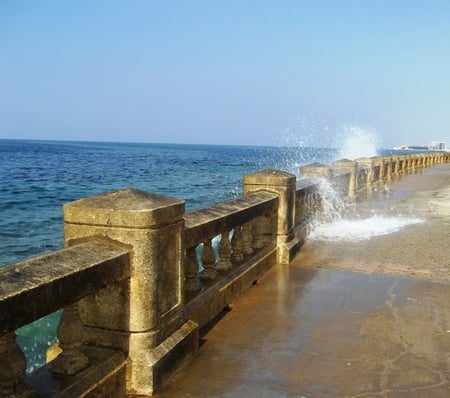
(38, 177)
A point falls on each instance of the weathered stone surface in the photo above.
(318, 170)
(206, 223)
(207, 304)
(125, 208)
(283, 184)
(146, 313)
(147, 371)
(36, 287)
(270, 178)
(104, 377)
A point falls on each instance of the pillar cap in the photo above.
(316, 169)
(365, 160)
(344, 163)
(125, 208)
(270, 177)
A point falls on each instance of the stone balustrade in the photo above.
(138, 276)
(244, 231)
(36, 287)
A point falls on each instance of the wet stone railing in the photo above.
(222, 242)
(36, 287)
(139, 277)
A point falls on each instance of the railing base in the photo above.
(287, 251)
(207, 304)
(156, 365)
(104, 377)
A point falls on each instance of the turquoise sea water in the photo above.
(38, 177)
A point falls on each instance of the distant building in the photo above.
(437, 146)
(434, 146)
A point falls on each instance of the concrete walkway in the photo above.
(347, 319)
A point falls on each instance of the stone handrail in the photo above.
(41, 285)
(54, 280)
(128, 278)
(211, 221)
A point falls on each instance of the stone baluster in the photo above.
(224, 263)
(258, 241)
(12, 369)
(209, 261)
(70, 336)
(247, 239)
(191, 283)
(237, 245)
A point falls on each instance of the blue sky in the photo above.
(225, 72)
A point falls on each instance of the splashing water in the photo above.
(332, 204)
(308, 131)
(357, 143)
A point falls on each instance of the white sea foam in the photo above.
(361, 229)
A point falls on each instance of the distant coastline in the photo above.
(434, 146)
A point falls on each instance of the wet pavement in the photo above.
(347, 319)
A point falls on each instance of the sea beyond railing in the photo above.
(139, 277)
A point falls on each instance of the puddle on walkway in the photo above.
(361, 229)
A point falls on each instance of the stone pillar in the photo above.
(369, 164)
(143, 317)
(395, 171)
(413, 164)
(382, 176)
(404, 169)
(408, 164)
(388, 162)
(282, 184)
(423, 161)
(349, 166)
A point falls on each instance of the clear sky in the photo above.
(225, 72)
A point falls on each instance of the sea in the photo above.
(38, 177)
